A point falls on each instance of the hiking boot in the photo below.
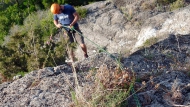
(85, 55)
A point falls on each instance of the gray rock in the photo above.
(106, 24)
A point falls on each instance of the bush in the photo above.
(177, 4)
(165, 2)
(25, 48)
(82, 12)
(110, 88)
(148, 5)
(150, 41)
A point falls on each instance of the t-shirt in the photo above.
(66, 16)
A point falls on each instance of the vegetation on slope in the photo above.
(25, 27)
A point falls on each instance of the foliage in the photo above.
(82, 12)
(23, 48)
(150, 41)
(110, 88)
(22, 73)
(14, 12)
(165, 2)
(116, 82)
(174, 4)
(24, 29)
(4, 21)
(73, 96)
(102, 49)
(148, 5)
(177, 4)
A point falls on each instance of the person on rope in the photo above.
(66, 15)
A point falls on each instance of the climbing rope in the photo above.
(113, 57)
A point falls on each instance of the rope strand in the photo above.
(113, 57)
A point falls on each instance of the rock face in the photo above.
(104, 26)
(165, 68)
(161, 63)
(170, 89)
(51, 86)
(124, 26)
(39, 88)
(175, 22)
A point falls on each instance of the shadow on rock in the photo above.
(163, 69)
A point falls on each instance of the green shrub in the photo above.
(177, 4)
(165, 2)
(150, 41)
(24, 48)
(82, 12)
(22, 73)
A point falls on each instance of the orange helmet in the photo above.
(55, 8)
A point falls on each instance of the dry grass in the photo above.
(119, 3)
(2, 78)
(34, 83)
(148, 5)
(174, 95)
(128, 13)
(111, 78)
(110, 87)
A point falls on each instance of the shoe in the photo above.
(86, 55)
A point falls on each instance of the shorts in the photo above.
(75, 36)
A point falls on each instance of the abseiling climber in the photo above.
(66, 15)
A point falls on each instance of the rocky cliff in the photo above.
(123, 27)
(154, 43)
